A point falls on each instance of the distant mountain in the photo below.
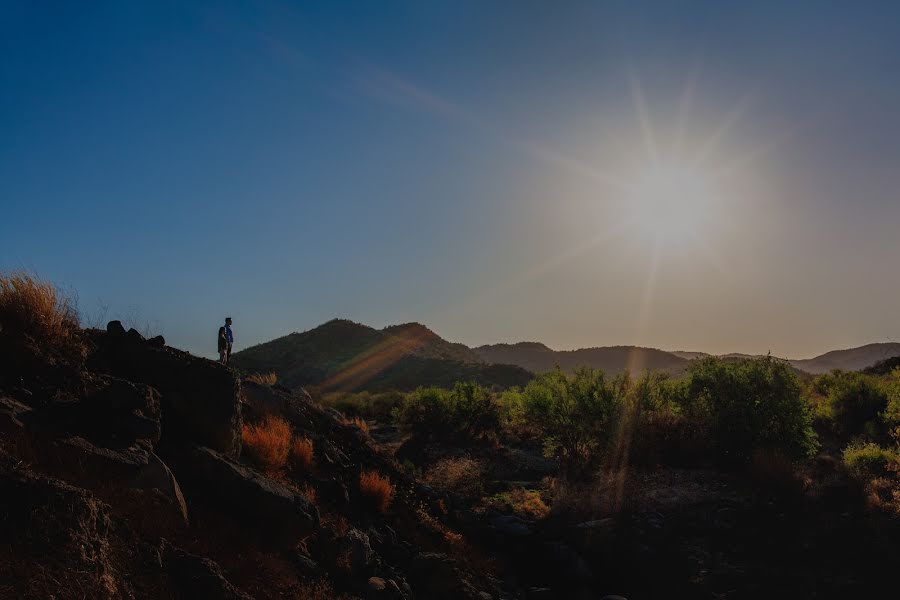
(347, 356)
(853, 359)
(539, 358)
(343, 355)
(689, 355)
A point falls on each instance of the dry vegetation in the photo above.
(461, 476)
(268, 443)
(358, 422)
(377, 489)
(263, 378)
(302, 453)
(36, 318)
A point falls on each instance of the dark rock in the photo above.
(355, 546)
(200, 398)
(334, 492)
(134, 335)
(436, 576)
(261, 400)
(12, 414)
(306, 565)
(54, 531)
(194, 576)
(510, 526)
(115, 328)
(539, 593)
(278, 514)
(135, 467)
(157, 341)
(110, 412)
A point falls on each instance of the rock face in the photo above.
(279, 515)
(66, 526)
(193, 576)
(200, 398)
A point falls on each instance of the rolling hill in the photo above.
(852, 359)
(341, 355)
(538, 358)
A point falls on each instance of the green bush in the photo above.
(576, 414)
(869, 458)
(855, 402)
(749, 405)
(467, 412)
(378, 406)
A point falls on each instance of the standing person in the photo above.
(229, 339)
(223, 346)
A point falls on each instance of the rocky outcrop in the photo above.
(193, 576)
(200, 398)
(279, 515)
(54, 535)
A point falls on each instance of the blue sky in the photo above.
(451, 163)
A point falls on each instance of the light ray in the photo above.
(640, 108)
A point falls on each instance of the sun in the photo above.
(669, 203)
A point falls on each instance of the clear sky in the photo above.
(717, 176)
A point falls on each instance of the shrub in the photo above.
(268, 443)
(749, 405)
(365, 404)
(526, 503)
(465, 413)
(38, 323)
(855, 402)
(263, 378)
(461, 476)
(376, 489)
(302, 453)
(869, 458)
(576, 414)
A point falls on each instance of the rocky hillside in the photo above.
(538, 358)
(123, 475)
(345, 356)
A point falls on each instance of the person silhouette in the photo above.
(226, 341)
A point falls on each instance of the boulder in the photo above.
(200, 399)
(436, 576)
(53, 532)
(261, 400)
(279, 515)
(192, 576)
(136, 467)
(109, 412)
(115, 328)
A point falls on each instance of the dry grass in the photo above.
(461, 476)
(268, 443)
(525, 503)
(309, 492)
(38, 315)
(776, 473)
(358, 422)
(377, 489)
(263, 378)
(302, 453)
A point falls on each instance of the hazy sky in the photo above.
(718, 176)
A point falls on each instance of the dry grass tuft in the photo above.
(263, 378)
(377, 489)
(302, 453)
(461, 476)
(525, 503)
(268, 443)
(358, 422)
(39, 319)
